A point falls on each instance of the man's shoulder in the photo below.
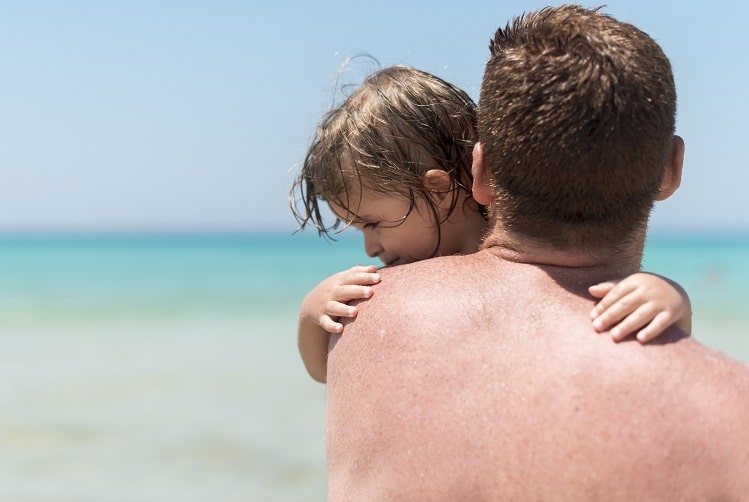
(415, 290)
(437, 264)
(442, 271)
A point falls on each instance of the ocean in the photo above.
(165, 368)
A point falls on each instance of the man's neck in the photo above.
(608, 264)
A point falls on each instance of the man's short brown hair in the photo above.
(576, 120)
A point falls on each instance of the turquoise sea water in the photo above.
(158, 368)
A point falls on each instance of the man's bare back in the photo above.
(480, 377)
(474, 378)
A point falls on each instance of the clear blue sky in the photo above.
(180, 115)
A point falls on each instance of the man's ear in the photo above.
(672, 174)
(438, 183)
(482, 189)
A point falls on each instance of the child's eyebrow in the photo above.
(359, 220)
(351, 219)
(361, 216)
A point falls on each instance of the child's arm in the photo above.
(643, 303)
(323, 306)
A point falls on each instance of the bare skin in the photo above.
(642, 304)
(491, 384)
(481, 377)
(321, 308)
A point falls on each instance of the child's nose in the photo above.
(371, 245)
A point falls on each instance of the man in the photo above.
(480, 377)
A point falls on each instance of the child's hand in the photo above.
(327, 302)
(645, 304)
(320, 309)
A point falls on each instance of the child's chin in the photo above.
(395, 263)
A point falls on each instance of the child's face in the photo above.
(391, 232)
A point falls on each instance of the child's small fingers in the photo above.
(608, 298)
(601, 307)
(361, 269)
(352, 292)
(624, 329)
(329, 325)
(366, 278)
(656, 327)
(600, 290)
(632, 323)
(609, 314)
(338, 309)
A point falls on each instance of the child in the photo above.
(394, 161)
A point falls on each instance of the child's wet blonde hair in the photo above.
(398, 124)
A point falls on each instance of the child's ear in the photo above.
(438, 182)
